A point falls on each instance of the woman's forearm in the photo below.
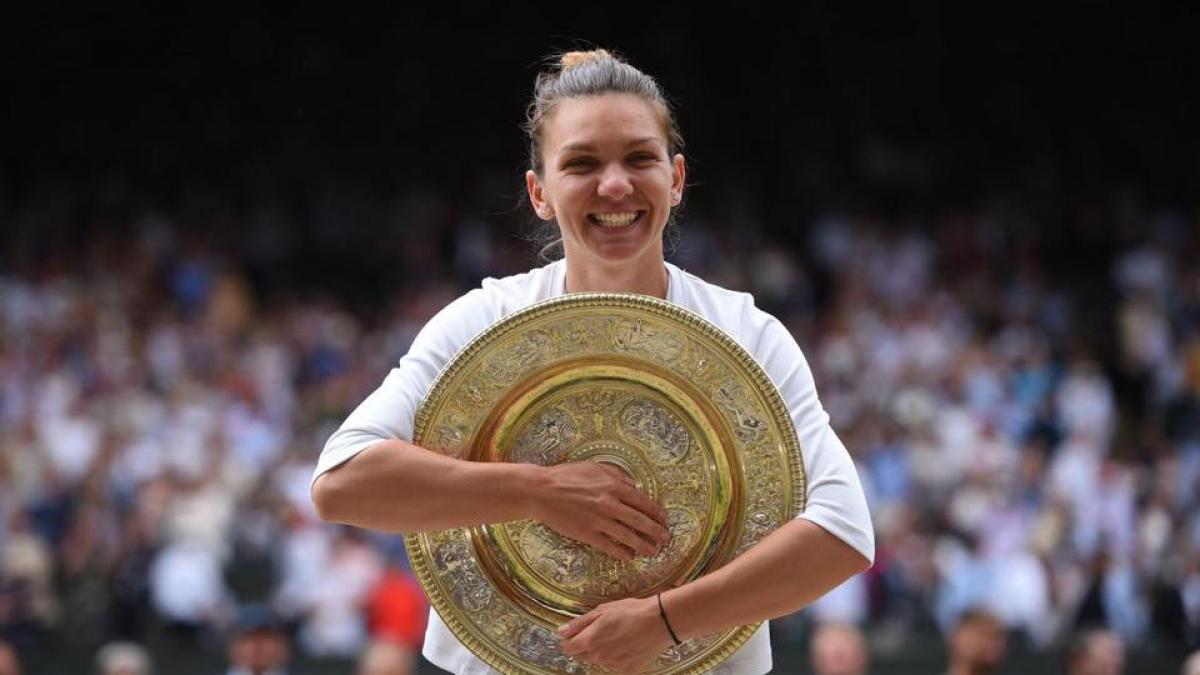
(783, 573)
(395, 486)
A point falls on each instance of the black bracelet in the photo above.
(663, 613)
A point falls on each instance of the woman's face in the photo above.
(608, 179)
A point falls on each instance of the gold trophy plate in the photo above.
(626, 379)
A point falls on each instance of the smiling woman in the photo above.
(589, 77)
(609, 181)
(606, 168)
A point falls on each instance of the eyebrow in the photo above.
(588, 147)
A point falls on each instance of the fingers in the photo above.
(571, 628)
(647, 518)
(577, 638)
(618, 473)
(642, 502)
(649, 530)
(605, 543)
(632, 540)
(600, 505)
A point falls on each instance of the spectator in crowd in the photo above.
(10, 662)
(839, 649)
(977, 645)
(1191, 665)
(387, 658)
(1096, 651)
(259, 644)
(397, 610)
(123, 658)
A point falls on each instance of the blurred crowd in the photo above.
(1027, 426)
(160, 430)
(1029, 439)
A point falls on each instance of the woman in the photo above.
(604, 166)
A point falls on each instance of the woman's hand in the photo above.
(598, 504)
(625, 635)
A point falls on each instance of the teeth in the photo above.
(615, 219)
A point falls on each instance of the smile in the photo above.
(616, 219)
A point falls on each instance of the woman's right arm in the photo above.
(369, 476)
(396, 486)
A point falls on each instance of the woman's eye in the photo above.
(582, 162)
(644, 157)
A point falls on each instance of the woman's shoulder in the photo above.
(517, 291)
(494, 298)
(733, 311)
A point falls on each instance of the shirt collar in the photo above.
(559, 277)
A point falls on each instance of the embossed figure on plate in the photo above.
(635, 336)
(546, 439)
(734, 400)
(540, 646)
(532, 347)
(469, 587)
(663, 434)
(558, 559)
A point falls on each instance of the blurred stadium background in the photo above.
(220, 227)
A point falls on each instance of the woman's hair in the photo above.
(590, 73)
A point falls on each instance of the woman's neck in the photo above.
(643, 279)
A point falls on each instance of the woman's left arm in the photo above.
(790, 568)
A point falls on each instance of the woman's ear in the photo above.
(536, 196)
(678, 176)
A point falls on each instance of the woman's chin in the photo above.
(631, 252)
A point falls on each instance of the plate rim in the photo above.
(419, 558)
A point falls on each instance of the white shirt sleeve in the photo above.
(835, 499)
(389, 412)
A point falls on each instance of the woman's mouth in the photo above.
(615, 219)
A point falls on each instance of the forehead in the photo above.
(607, 119)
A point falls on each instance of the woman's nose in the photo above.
(614, 182)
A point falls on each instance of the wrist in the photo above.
(674, 602)
(530, 483)
(666, 621)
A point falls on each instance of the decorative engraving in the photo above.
(733, 399)
(596, 400)
(451, 440)
(532, 347)
(546, 438)
(561, 560)
(633, 335)
(540, 646)
(475, 393)
(684, 525)
(470, 589)
(685, 649)
(573, 338)
(665, 436)
(685, 479)
(760, 524)
(700, 364)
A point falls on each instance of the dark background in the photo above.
(905, 111)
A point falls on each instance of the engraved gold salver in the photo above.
(626, 379)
